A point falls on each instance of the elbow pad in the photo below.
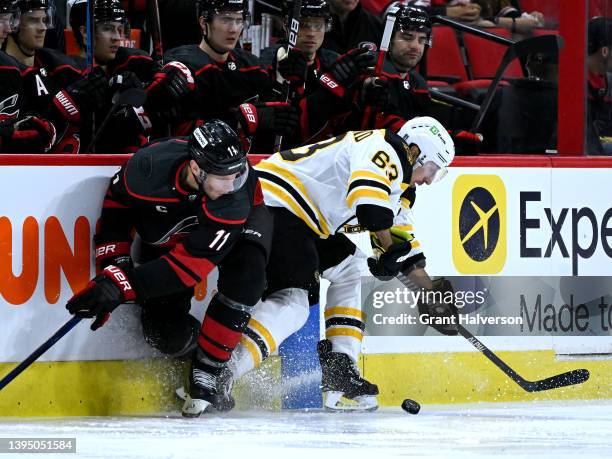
(374, 218)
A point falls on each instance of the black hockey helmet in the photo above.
(27, 6)
(411, 19)
(309, 9)
(217, 150)
(104, 11)
(7, 7)
(208, 8)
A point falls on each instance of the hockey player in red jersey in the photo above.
(24, 40)
(19, 132)
(230, 84)
(117, 68)
(305, 63)
(196, 204)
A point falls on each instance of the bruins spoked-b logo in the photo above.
(479, 224)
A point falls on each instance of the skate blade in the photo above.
(181, 393)
(193, 407)
(335, 401)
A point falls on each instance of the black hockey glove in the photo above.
(390, 262)
(85, 95)
(466, 142)
(26, 135)
(125, 80)
(345, 72)
(375, 94)
(294, 67)
(173, 82)
(273, 117)
(440, 303)
(101, 296)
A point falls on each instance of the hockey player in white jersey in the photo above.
(358, 180)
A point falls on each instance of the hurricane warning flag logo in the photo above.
(479, 224)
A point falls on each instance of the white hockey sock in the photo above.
(272, 321)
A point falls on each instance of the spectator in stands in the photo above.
(352, 27)
(508, 14)
(36, 19)
(599, 111)
(461, 10)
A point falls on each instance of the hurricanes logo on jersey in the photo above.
(479, 224)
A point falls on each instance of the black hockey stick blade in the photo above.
(545, 44)
(569, 378)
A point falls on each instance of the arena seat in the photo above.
(444, 58)
(484, 56)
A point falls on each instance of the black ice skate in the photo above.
(208, 389)
(343, 387)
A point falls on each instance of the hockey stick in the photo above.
(133, 97)
(44, 347)
(569, 378)
(154, 25)
(382, 52)
(294, 28)
(546, 44)
(89, 22)
(452, 100)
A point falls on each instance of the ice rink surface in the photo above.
(539, 430)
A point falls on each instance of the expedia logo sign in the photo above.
(479, 224)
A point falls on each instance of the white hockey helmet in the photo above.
(433, 140)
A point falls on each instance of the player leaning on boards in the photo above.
(195, 204)
(314, 192)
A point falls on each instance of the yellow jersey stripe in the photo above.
(365, 174)
(344, 311)
(252, 348)
(298, 185)
(264, 333)
(363, 192)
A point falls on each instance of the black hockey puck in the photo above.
(410, 406)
